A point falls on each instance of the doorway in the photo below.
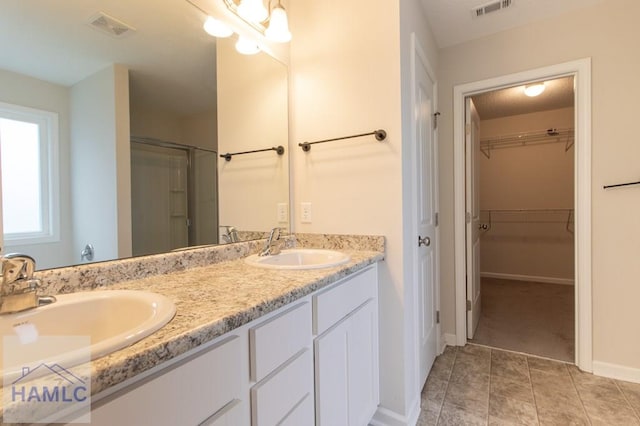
(580, 71)
(173, 196)
(520, 239)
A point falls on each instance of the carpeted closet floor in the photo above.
(530, 317)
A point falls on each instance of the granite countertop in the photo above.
(211, 301)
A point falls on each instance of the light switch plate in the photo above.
(283, 213)
(305, 212)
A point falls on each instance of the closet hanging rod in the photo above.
(279, 149)
(617, 185)
(379, 134)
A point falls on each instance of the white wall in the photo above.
(100, 165)
(607, 33)
(22, 90)
(347, 63)
(252, 115)
(531, 244)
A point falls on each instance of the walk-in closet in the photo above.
(526, 203)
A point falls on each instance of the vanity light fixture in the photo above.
(533, 90)
(278, 29)
(247, 46)
(253, 11)
(217, 28)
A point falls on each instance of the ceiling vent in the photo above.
(488, 8)
(110, 25)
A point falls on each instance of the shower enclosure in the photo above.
(174, 196)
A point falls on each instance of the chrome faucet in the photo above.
(230, 235)
(17, 285)
(273, 244)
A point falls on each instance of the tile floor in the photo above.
(477, 385)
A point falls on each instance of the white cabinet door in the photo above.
(186, 395)
(346, 368)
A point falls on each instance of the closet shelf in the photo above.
(490, 217)
(540, 137)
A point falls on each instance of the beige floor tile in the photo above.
(452, 415)
(632, 393)
(600, 390)
(470, 373)
(548, 366)
(561, 418)
(468, 396)
(551, 384)
(441, 368)
(606, 413)
(512, 410)
(510, 365)
(516, 389)
(434, 391)
(428, 417)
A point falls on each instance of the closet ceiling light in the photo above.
(532, 90)
(217, 28)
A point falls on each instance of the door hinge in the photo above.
(467, 217)
(437, 317)
(467, 128)
(435, 120)
(436, 218)
(468, 305)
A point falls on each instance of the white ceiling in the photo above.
(171, 59)
(452, 21)
(558, 93)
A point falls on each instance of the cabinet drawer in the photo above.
(333, 304)
(278, 339)
(278, 395)
(187, 394)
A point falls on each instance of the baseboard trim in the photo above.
(615, 371)
(516, 277)
(449, 340)
(386, 417)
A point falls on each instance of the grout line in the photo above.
(624, 395)
(446, 388)
(489, 393)
(579, 397)
(535, 403)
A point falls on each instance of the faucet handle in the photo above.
(16, 266)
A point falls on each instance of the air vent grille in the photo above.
(110, 25)
(494, 6)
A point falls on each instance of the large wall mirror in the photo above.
(138, 103)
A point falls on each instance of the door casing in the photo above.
(581, 71)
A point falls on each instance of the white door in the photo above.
(472, 149)
(425, 215)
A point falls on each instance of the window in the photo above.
(28, 154)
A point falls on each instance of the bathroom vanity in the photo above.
(313, 361)
(248, 346)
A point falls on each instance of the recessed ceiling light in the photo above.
(535, 89)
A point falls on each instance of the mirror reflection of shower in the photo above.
(174, 196)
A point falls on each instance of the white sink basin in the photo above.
(300, 259)
(112, 319)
